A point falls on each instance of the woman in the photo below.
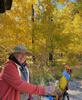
(14, 78)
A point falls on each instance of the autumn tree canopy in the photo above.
(51, 29)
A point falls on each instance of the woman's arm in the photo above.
(11, 76)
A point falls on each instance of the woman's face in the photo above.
(21, 57)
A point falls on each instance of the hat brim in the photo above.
(28, 53)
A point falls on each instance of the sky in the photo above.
(61, 6)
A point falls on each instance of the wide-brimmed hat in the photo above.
(21, 49)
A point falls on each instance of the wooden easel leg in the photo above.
(57, 98)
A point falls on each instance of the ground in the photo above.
(75, 90)
(75, 95)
